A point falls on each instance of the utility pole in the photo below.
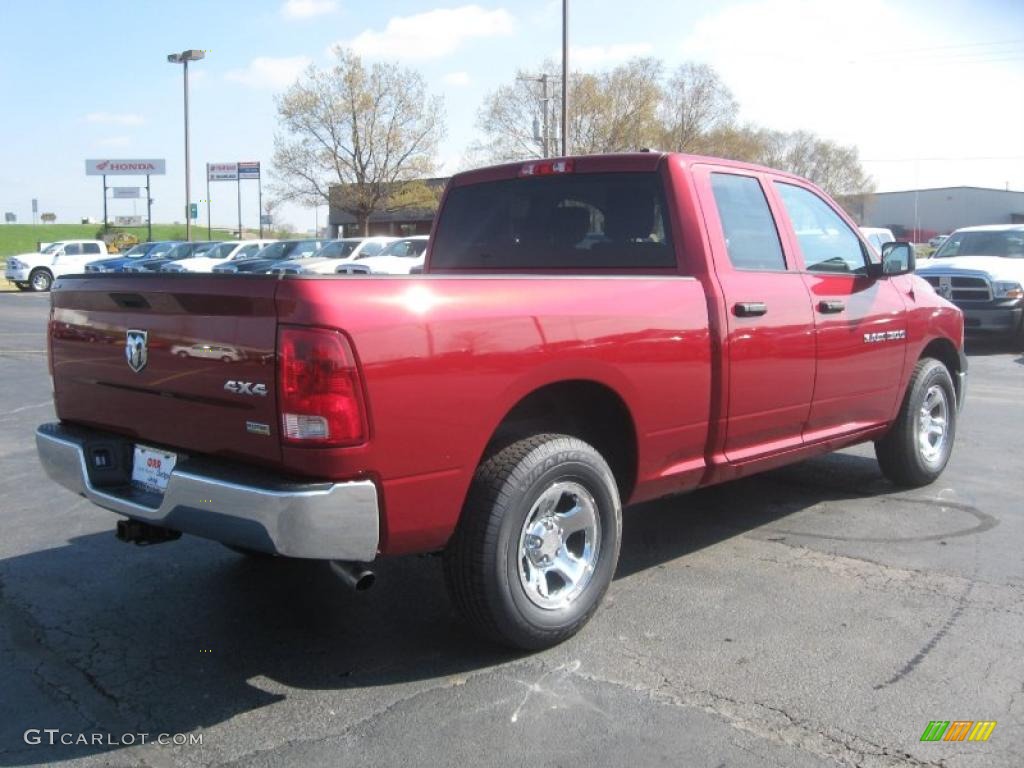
(565, 77)
(545, 101)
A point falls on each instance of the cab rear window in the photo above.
(571, 221)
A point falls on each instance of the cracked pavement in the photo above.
(810, 616)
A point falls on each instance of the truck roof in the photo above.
(993, 228)
(611, 162)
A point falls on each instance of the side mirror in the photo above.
(898, 259)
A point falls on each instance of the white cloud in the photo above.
(824, 67)
(432, 34)
(596, 55)
(266, 72)
(307, 9)
(114, 118)
(459, 79)
(114, 141)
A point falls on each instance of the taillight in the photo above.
(319, 393)
(547, 167)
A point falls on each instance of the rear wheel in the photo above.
(538, 542)
(918, 447)
(40, 280)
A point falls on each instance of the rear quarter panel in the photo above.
(445, 358)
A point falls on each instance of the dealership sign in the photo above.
(126, 192)
(249, 170)
(110, 167)
(127, 221)
(222, 171)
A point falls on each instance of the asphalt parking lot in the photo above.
(810, 616)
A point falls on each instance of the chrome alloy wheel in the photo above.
(559, 545)
(932, 424)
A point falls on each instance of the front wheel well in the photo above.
(584, 409)
(942, 349)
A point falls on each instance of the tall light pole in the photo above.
(184, 58)
(565, 77)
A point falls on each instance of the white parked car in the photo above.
(219, 254)
(333, 253)
(398, 258)
(877, 237)
(37, 271)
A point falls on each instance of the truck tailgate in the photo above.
(182, 361)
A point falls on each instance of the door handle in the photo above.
(749, 308)
(830, 306)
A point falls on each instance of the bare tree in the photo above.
(613, 111)
(373, 131)
(696, 103)
(833, 167)
(629, 107)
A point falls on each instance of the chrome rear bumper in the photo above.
(233, 505)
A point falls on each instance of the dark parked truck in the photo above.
(589, 332)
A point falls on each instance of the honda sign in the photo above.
(110, 167)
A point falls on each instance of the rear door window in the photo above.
(90, 248)
(751, 239)
(570, 221)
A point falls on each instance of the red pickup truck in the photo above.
(588, 332)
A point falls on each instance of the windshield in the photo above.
(160, 250)
(203, 249)
(137, 250)
(407, 248)
(1008, 243)
(221, 251)
(339, 249)
(52, 247)
(301, 249)
(272, 251)
(179, 251)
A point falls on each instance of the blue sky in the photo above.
(930, 91)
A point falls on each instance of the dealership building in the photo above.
(920, 214)
(399, 223)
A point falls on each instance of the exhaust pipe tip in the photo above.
(354, 575)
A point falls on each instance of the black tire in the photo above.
(901, 454)
(482, 563)
(40, 280)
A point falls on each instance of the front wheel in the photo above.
(40, 280)
(918, 446)
(538, 542)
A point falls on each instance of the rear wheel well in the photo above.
(942, 349)
(587, 410)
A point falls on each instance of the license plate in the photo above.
(151, 468)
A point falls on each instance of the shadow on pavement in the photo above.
(167, 639)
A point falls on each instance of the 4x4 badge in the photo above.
(136, 349)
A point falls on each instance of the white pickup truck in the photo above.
(37, 271)
(981, 270)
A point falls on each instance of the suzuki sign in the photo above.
(110, 167)
(222, 171)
